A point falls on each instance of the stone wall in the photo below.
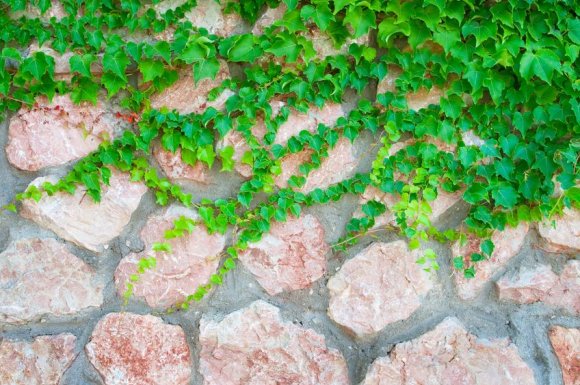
(292, 312)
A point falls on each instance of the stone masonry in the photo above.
(292, 312)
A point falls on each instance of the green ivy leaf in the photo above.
(320, 14)
(542, 64)
(82, 64)
(116, 63)
(151, 69)
(360, 19)
(206, 69)
(504, 195)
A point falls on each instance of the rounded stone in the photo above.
(254, 346)
(290, 256)
(134, 349)
(450, 355)
(193, 259)
(380, 285)
(40, 277)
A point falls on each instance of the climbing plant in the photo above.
(508, 69)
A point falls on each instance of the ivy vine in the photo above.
(508, 70)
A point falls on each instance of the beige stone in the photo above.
(254, 346)
(192, 260)
(564, 234)
(40, 277)
(77, 218)
(380, 285)
(450, 355)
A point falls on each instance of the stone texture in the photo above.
(450, 355)
(507, 244)
(134, 349)
(268, 18)
(541, 284)
(41, 277)
(415, 100)
(62, 69)
(41, 361)
(194, 258)
(290, 257)
(57, 132)
(254, 346)
(380, 285)
(56, 10)
(566, 343)
(565, 235)
(78, 219)
(187, 97)
(177, 170)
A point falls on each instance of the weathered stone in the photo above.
(268, 18)
(62, 69)
(380, 285)
(77, 218)
(134, 349)
(193, 259)
(564, 235)
(253, 346)
(507, 244)
(541, 284)
(290, 257)
(55, 10)
(41, 361)
(187, 97)
(339, 165)
(41, 277)
(415, 100)
(450, 355)
(177, 170)
(52, 134)
(566, 343)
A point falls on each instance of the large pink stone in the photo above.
(566, 343)
(176, 169)
(78, 219)
(564, 234)
(52, 134)
(187, 97)
(450, 355)
(41, 277)
(194, 258)
(254, 346)
(507, 244)
(41, 361)
(380, 285)
(541, 284)
(290, 257)
(134, 349)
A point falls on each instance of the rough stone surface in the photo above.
(187, 97)
(268, 18)
(507, 244)
(134, 349)
(51, 134)
(541, 284)
(78, 219)
(450, 355)
(380, 285)
(415, 100)
(176, 169)
(41, 277)
(39, 362)
(290, 257)
(565, 235)
(194, 258)
(566, 343)
(254, 346)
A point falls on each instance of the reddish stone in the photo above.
(542, 285)
(77, 218)
(187, 97)
(58, 132)
(41, 361)
(176, 169)
(134, 349)
(41, 277)
(566, 343)
(380, 285)
(254, 346)
(194, 258)
(290, 257)
(507, 244)
(450, 355)
(564, 234)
